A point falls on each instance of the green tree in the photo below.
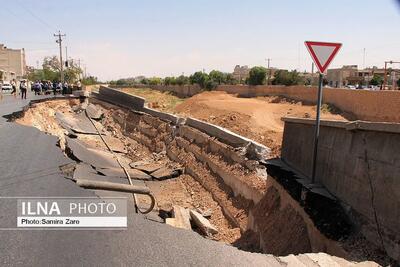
(154, 81)
(257, 76)
(376, 80)
(230, 79)
(90, 80)
(398, 82)
(144, 81)
(284, 77)
(199, 78)
(182, 80)
(217, 76)
(169, 80)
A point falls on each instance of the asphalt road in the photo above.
(29, 166)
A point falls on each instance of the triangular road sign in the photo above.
(322, 53)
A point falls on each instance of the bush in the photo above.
(257, 76)
(287, 78)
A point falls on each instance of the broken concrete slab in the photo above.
(94, 141)
(204, 225)
(84, 171)
(119, 172)
(94, 112)
(182, 217)
(78, 123)
(94, 157)
(206, 214)
(148, 168)
(165, 173)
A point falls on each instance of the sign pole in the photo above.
(317, 124)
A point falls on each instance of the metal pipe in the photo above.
(91, 184)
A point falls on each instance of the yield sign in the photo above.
(322, 53)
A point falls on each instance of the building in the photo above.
(342, 76)
(12, 63)
(241, 73)
(351, 75)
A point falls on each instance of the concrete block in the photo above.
(255, 149)
(204, 225)
(182, 217)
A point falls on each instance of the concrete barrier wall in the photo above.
(178, 90)
(364, 104)
(120, 98)
(359, 163)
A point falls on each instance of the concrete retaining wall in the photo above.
(178, 90)
(359, 163)
(119, 98)
(364, 104)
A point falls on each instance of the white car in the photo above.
(6, 87)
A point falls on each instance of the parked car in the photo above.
(6, 87)
(350, 87)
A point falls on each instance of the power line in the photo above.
(34, 16)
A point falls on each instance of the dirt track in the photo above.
(256, 118)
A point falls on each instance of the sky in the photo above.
(117, 39)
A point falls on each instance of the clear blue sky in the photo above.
(118, 38)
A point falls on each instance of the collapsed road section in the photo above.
(202, 177)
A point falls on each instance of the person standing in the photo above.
(65, 88)
(14, 88)
(79, 85)
(23, 88)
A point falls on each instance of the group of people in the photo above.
(44, 87)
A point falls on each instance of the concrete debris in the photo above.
(204, 225)
(165, 173)
(182, 217)
(94, 157)
(118, 172)
(148, 168)
(115, 144)
(78, 123)
(205, 214)
(94, 112)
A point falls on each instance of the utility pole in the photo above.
(364, 59)
(66, 57)
(269, 70)
(385, 75)
(59, 42)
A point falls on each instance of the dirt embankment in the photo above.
(256, 118)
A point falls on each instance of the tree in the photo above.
(257, 76)
(90, 80)
(169, 81)
(398, 82)
(182, 80)
(144, 81)
(230, 79)
(376, 80)
(154, 81)
(284, 77)
(199, 78)
(217, 76)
